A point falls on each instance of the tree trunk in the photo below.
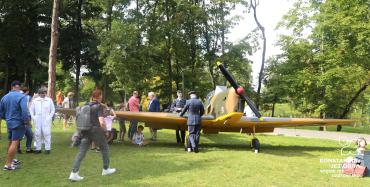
(108, 25)
(192, 55)
(169, 53)
(177, 80)
(254, 5)
(322, 116)
(273, 109)
(122, 95)
(349, 105)
(210, 53)
(78, 51)
(53, 49)
(7, 76)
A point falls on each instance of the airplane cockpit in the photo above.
(221, 101)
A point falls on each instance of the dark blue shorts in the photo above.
(16, 133)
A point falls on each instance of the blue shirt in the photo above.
(14, 109)
(154, 105)
(195, 110)
(178, 105)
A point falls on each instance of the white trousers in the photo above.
(43, 135)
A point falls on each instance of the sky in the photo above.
(269, 13)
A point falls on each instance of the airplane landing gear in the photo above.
(255, 143)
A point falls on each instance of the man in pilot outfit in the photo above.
(177, 107)
(195, 110)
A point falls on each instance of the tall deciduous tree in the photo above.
(53, 49)
(325, 60)
(253, 5)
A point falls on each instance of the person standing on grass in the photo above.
(195, 110)
(28, 133)
(59, 99)
(96, 134)
(153, 106)
(134, 106)
(14, 109)
(121, 121)
(42, 112)
(109, 116)
(68, 103)
(177, 107)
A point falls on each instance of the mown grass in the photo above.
(224, 160)
(357, 129)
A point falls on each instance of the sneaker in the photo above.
(19, 151)
(189, 150)
(9, 168)
(47, 152)
(108, 171)
(37, 151)
(29, 151)
(16, 162)
(75, 177)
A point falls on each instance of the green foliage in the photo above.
(23, 42)
(159, 46)
(323, 68)
(177, 41)
(87, 88)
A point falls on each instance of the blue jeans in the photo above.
(29, 137)
(132, 129)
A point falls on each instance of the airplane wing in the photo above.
(232, 122)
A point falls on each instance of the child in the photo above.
(110, 115)
(361, 146)
(122, 126)
(138, 137)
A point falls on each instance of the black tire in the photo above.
(256, 145)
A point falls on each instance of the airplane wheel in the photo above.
(255, 145)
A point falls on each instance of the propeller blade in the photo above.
(238, 89)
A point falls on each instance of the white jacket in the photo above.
(42, 110)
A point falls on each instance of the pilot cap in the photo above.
(192, 92)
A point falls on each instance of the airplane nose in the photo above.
(240, 90)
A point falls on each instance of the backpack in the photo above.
(83, 114)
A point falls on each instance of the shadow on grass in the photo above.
(294, 150)
(210, 143)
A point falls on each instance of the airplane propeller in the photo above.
(238, 89)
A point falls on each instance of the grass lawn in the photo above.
(363, 129)
(224, 160)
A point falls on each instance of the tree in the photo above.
(24, 42)
(328, 68)
(253, 5)
(53, 50)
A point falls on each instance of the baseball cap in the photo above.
(15, 82)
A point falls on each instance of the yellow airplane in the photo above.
(224, 113)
